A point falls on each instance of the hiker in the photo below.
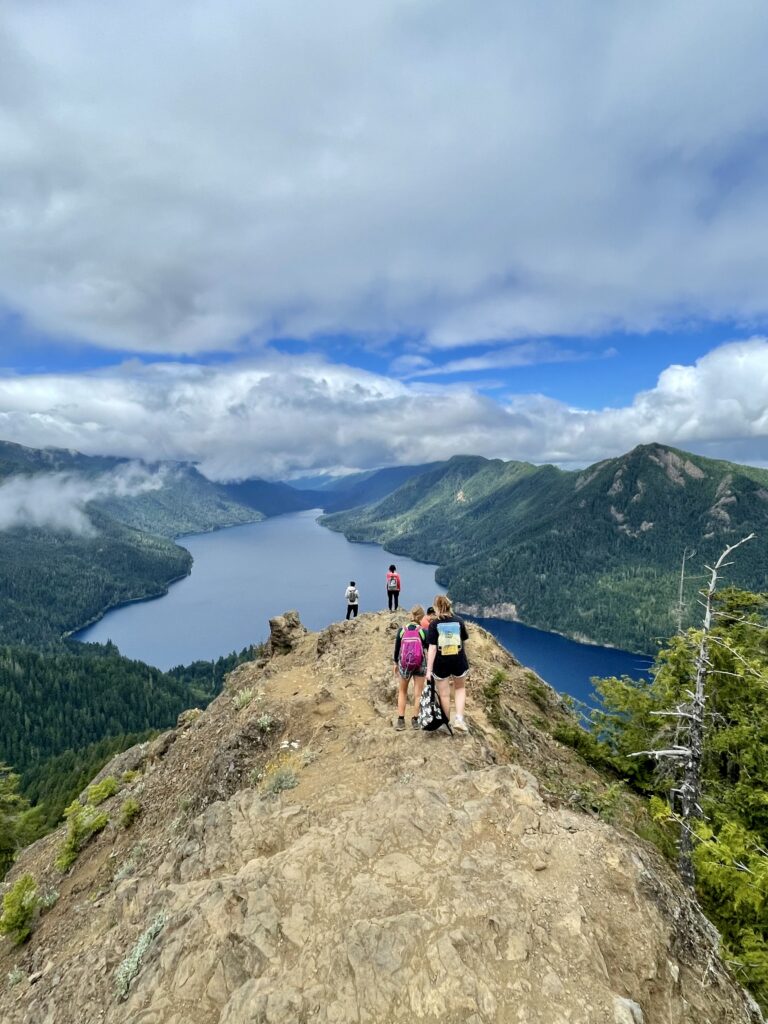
(447, 658)
(429, 617)
(352, 598)
(393, 588)
(410, 662)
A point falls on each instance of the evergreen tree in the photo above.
(730, 848)
(13, 808)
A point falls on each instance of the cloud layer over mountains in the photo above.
(292, 415)
(58, 501)
(200, 176)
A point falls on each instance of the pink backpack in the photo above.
(411, 648)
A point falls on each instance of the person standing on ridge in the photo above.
(352, 598)
(410, 660)
(393, 588)
(447, 658)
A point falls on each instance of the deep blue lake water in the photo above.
(244, 575)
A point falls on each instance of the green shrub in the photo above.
(283, 778)
(243, 698)
(590, 748)
(130, 809)
(82, 823)
(48, 898)
(130, 776)
(265, 722)
(19, 906)
(132, 964)
(15, 977)
(537, 691)
(101, 791)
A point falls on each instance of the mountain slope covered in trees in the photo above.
(56, 578)
(595, 553)
(65, 711)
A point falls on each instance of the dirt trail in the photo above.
(400, 877)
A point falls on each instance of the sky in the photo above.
(278, 239)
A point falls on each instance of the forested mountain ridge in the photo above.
(55, 578)
(54, 582)
(66, 710)
(594, 553)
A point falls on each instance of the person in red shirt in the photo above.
(393, 588)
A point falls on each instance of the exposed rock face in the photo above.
(405, 877)
(284, 631)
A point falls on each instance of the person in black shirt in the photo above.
(447, 658)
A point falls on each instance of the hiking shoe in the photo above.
(415, 722)
(460, 725)
(400, 725)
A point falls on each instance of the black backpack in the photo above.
(431, 714)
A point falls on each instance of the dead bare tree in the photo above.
(687, 752)
(686, 554)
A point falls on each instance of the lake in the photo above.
(244, 575)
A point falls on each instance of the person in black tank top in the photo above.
(447, 658)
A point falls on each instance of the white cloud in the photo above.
(526, 354)
(290, 415)
(58, 501)
(184, 180)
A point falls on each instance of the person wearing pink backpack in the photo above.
(410, 662)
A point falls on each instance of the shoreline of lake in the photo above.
(247, 573)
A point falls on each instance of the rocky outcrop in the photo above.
(284, 632)
(296, 860)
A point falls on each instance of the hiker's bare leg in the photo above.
(460, 696)
(444, 693)
(402, 697)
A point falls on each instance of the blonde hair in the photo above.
(417, 613)
(442, 605)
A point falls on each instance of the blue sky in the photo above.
(498, 235)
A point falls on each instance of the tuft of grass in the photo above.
(265, 722)
(492, 695)
(537, 691)
(20, 904)
(278, 775)
(101, 791)
(130, 776)
(130, 809)
(132, 964)
(14, 977)
(283, 778)
(48, 898)
(243, 698)
(82, 823)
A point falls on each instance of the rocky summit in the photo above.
(290, 858)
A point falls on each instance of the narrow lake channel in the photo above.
(244, 575)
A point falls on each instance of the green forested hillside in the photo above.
(65, 711)
(595, 553)
(53, 582)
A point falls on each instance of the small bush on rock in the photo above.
(129, 812)
(19, 906)
(132, 964)
(82, 823)
(101, 791)
(283, 778)
(243, 698)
